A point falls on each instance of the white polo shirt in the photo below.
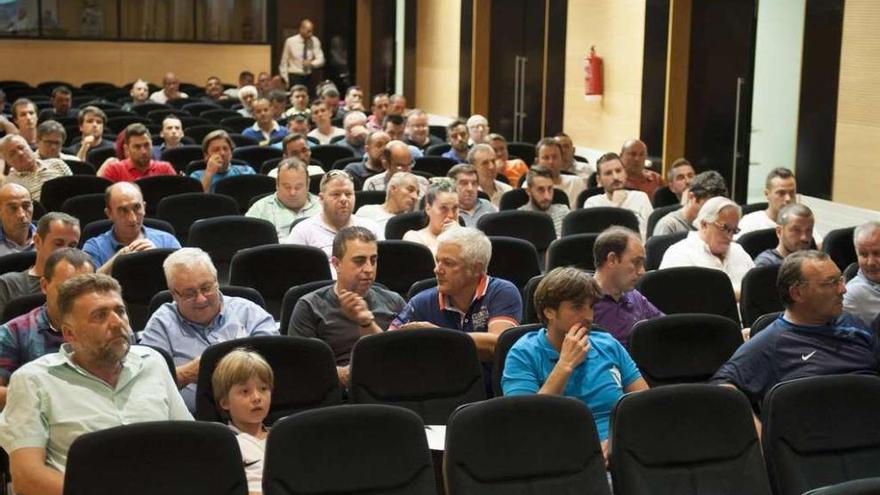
(693, 251)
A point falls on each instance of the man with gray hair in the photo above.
(401, 196)
(396, 157)
(862, 296)
(794, 228)
(712, 246)
(292, 199)
(704, 186)
(199, 315)
(16, 214)
(26, 169)
(466, 298)
(96, 374)
(482, 157)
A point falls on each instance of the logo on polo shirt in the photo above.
(805, 357)
(615, 374)
(480, 318)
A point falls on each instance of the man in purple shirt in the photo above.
(620, 262)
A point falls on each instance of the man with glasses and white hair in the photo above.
(711, 245)
(199, 316)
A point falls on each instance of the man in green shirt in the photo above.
(292, 199)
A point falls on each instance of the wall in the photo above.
(617, 30)
(77, 62)
(856, 172)
(437, 56)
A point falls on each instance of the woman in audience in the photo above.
(242, 383)
(441, 205)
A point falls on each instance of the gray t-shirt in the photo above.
(673, 223)
(769, 257)
(17, 284)
(318, 315)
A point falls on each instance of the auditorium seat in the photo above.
(222, 237)
(656, 247)
(55, 191)
(514, 260)
(291, 297)
(531, 226)
(573, 250)
(182, 210)
(759, 295)
(758, 241)
(658, 214)
(242, 188)
(502, 347)
(690, 289)
(403, 263)
(141, 276)
(86, 208)
(596, 219)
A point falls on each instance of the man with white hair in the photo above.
(712, 246)
(466, 298)
(26, 169)
(478, 128)
(200, 315)
(247, 95)
(401, 196)
(862, 297)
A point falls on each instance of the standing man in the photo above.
(862, 297)
(539, 186)
(612, 177)
(217, 149)
(291, 201)
(301, 54)
(16, 213)
(26, 169)
(139, 164)
(633, 155)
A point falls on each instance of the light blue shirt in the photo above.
(8, 246)
(231, 172)
(599, 381)
(483, 207)
(102, 247)
(862, 298)
(185, 340)
(51, 401)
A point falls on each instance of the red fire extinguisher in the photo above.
(593, 75)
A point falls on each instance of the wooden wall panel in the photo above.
(437, 56)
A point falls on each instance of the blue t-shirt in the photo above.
(785, 351)
(101, 248)
(231, 172)
(599, 381)
(453, 156)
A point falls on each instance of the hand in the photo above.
(307, 63)
(575, 346)
(618, 197)
(214, 164)
(355, 308)
(88, 141)
(605, 452)
(413, 325)
(138, 245)
(344, 374)
(188, 373)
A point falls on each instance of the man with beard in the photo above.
(539, 186)
(795, 233)
(16, 214)
(612, 176)
(457, 137)
(140, 163)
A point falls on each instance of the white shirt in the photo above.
(253, 450)
(379, 182)
(635, 201)
(423, 237)
(756, 220)
(161, 97)
(315, 232)
(572, 186)
(693, 251)
(325, 138)
(292, 56)
(376, 213)
(500, 189)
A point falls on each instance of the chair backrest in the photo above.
(182, 210)
(403, 263)
(328, 154)
(683, 348)
(362, 198)
(596, 219)
(574, 250)
(238, 123)
(657, 214)
(656, 247)
(398, 225)
(753, 207)
(213, 236)
(851, 271)
(180, 157)
(251, 295)
(430, 371)
(866, 486)
(530, 314)
(523, 151)
(173, 457)
(291, 297)
(374, 449)
(436, 165)
(244, 187)
(821, 430)
(531, 226)
(420, 286)
(55, 191)
(101, 154)
(144, 108)
(759, 295)
(304, 373)
(342, 163)
(21, 305)
(98, 227)
(218, 114)
(548, 445)
(758, 241)
(763, 322)
(502, 347)
(80, 168)
(840, 246)
(17, 262)
(256, 155)
(686, 440)
(86, 208)
(242, 140)
(141, 276)
(157, 187)
(665, 197)
(437, 149)
(513, 259)
(696, 290)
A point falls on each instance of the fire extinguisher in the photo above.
(592, 75)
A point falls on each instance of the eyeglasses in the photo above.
(190, 294)
(827, 284)
(727, 229)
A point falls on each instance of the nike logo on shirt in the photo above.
(805, 357)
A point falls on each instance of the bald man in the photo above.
(16, 213)
(26, 169)
(170, 89)
(633, 155)
(396, 157)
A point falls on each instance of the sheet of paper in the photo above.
(436, 435)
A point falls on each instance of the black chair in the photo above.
(548, 445)
(403, 263)
(502, 347)
(244, 187)
(273, 269)
(530, 314)
(341, 164)
(169, 457)
(531, 226)
(763, 322)
(328, 154)
(753, 207)
(180, 157)
(304, 373)
(256, 155)
(398, 225)
(55, 191)
(98, 227)
(523, 151)
(821, 430)
(840, 246)
(189, 121)
(514, 260)
(251, 295)
(758, 294)
(21, 305)
(141, 276)
(420, 286)
(157, 116)
(866, 486)
(515, 198)
(242, 140)
(683, 348)
(584, 195)
(218, 115)
(389, 456)
(198, 132)
(686, 440)
(663, 197)
(437, 149)
(157, 187)
(438, 131)
(86, 208)
(575, 250)
(851, 271)
(269, 165)
(201, 164)
(118, 124)
(362, 198)
(80, 168)
(200, 107)
(291, 297)
(17, 262)
(182, 210)
(144, 108)
(100, 155)
(690, 289)
(429, 371)
(435, 165)
(237, 124)
(657, 214)
(596, 219)
(222, 237)
(656, 247)
(758, 241)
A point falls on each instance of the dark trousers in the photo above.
(304, 79)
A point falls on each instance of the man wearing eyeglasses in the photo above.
(712, 246)
(395, 157)
(199, 316)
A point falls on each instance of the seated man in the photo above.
(482, 157)
(396, 105)
(324, 130)
(569, 164)
(633, 154)
(36, 333)
(126, 210)
(26, 169)
(712, 246)
(61, 100)
(470, 205)
(214, 90)
(679, 178)
(330, 96)
(780, 189)
(291, 201)
(795, 233)
(16, 213)
(401, 196)
(343, 312)
(396, 158)
(417, 131)
(295, 145)
(813, 337)
(457, 137)
(466, 298)
(612, 177)
(704, 186)
(478, 129)
(299, 101)
(548, 154)
(356, 133)
(139, 93)
(354, 99)
(170, 89)
(245, 78)
(91, 127)
(199, 316)
(140, 163)
(217, 150)
(50, 140)
(265, 129)
(247, 95)
(171, 134)
(566, 357)
(24, 116)
(862, 297)
(619, 256)
(55, 230)
(514, 169)
(539, 186)
(372, 163)
(379, 109)
(96, 374)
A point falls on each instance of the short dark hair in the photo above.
(793, 210)
(61, 90)
(455, 123)
(276, 96)
(461, 168)
(75, 257)
(393, 119)
(681, 162)
(564, 284)
(91, 110)
(330, 91)
(293, 163)
(791, 272)
(537, 171)
(45, 222)
(777, 173)
(340, 242)
(547, 141)
(51, 127)
(614, 239)
(293, 136)
(79, 285)
(136, 130)
(298, 87)
(20, 103)
(607, 157)
(708, 184)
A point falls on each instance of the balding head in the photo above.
(397, 157)
(633, 154)
(17, 153)
(16, 211)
